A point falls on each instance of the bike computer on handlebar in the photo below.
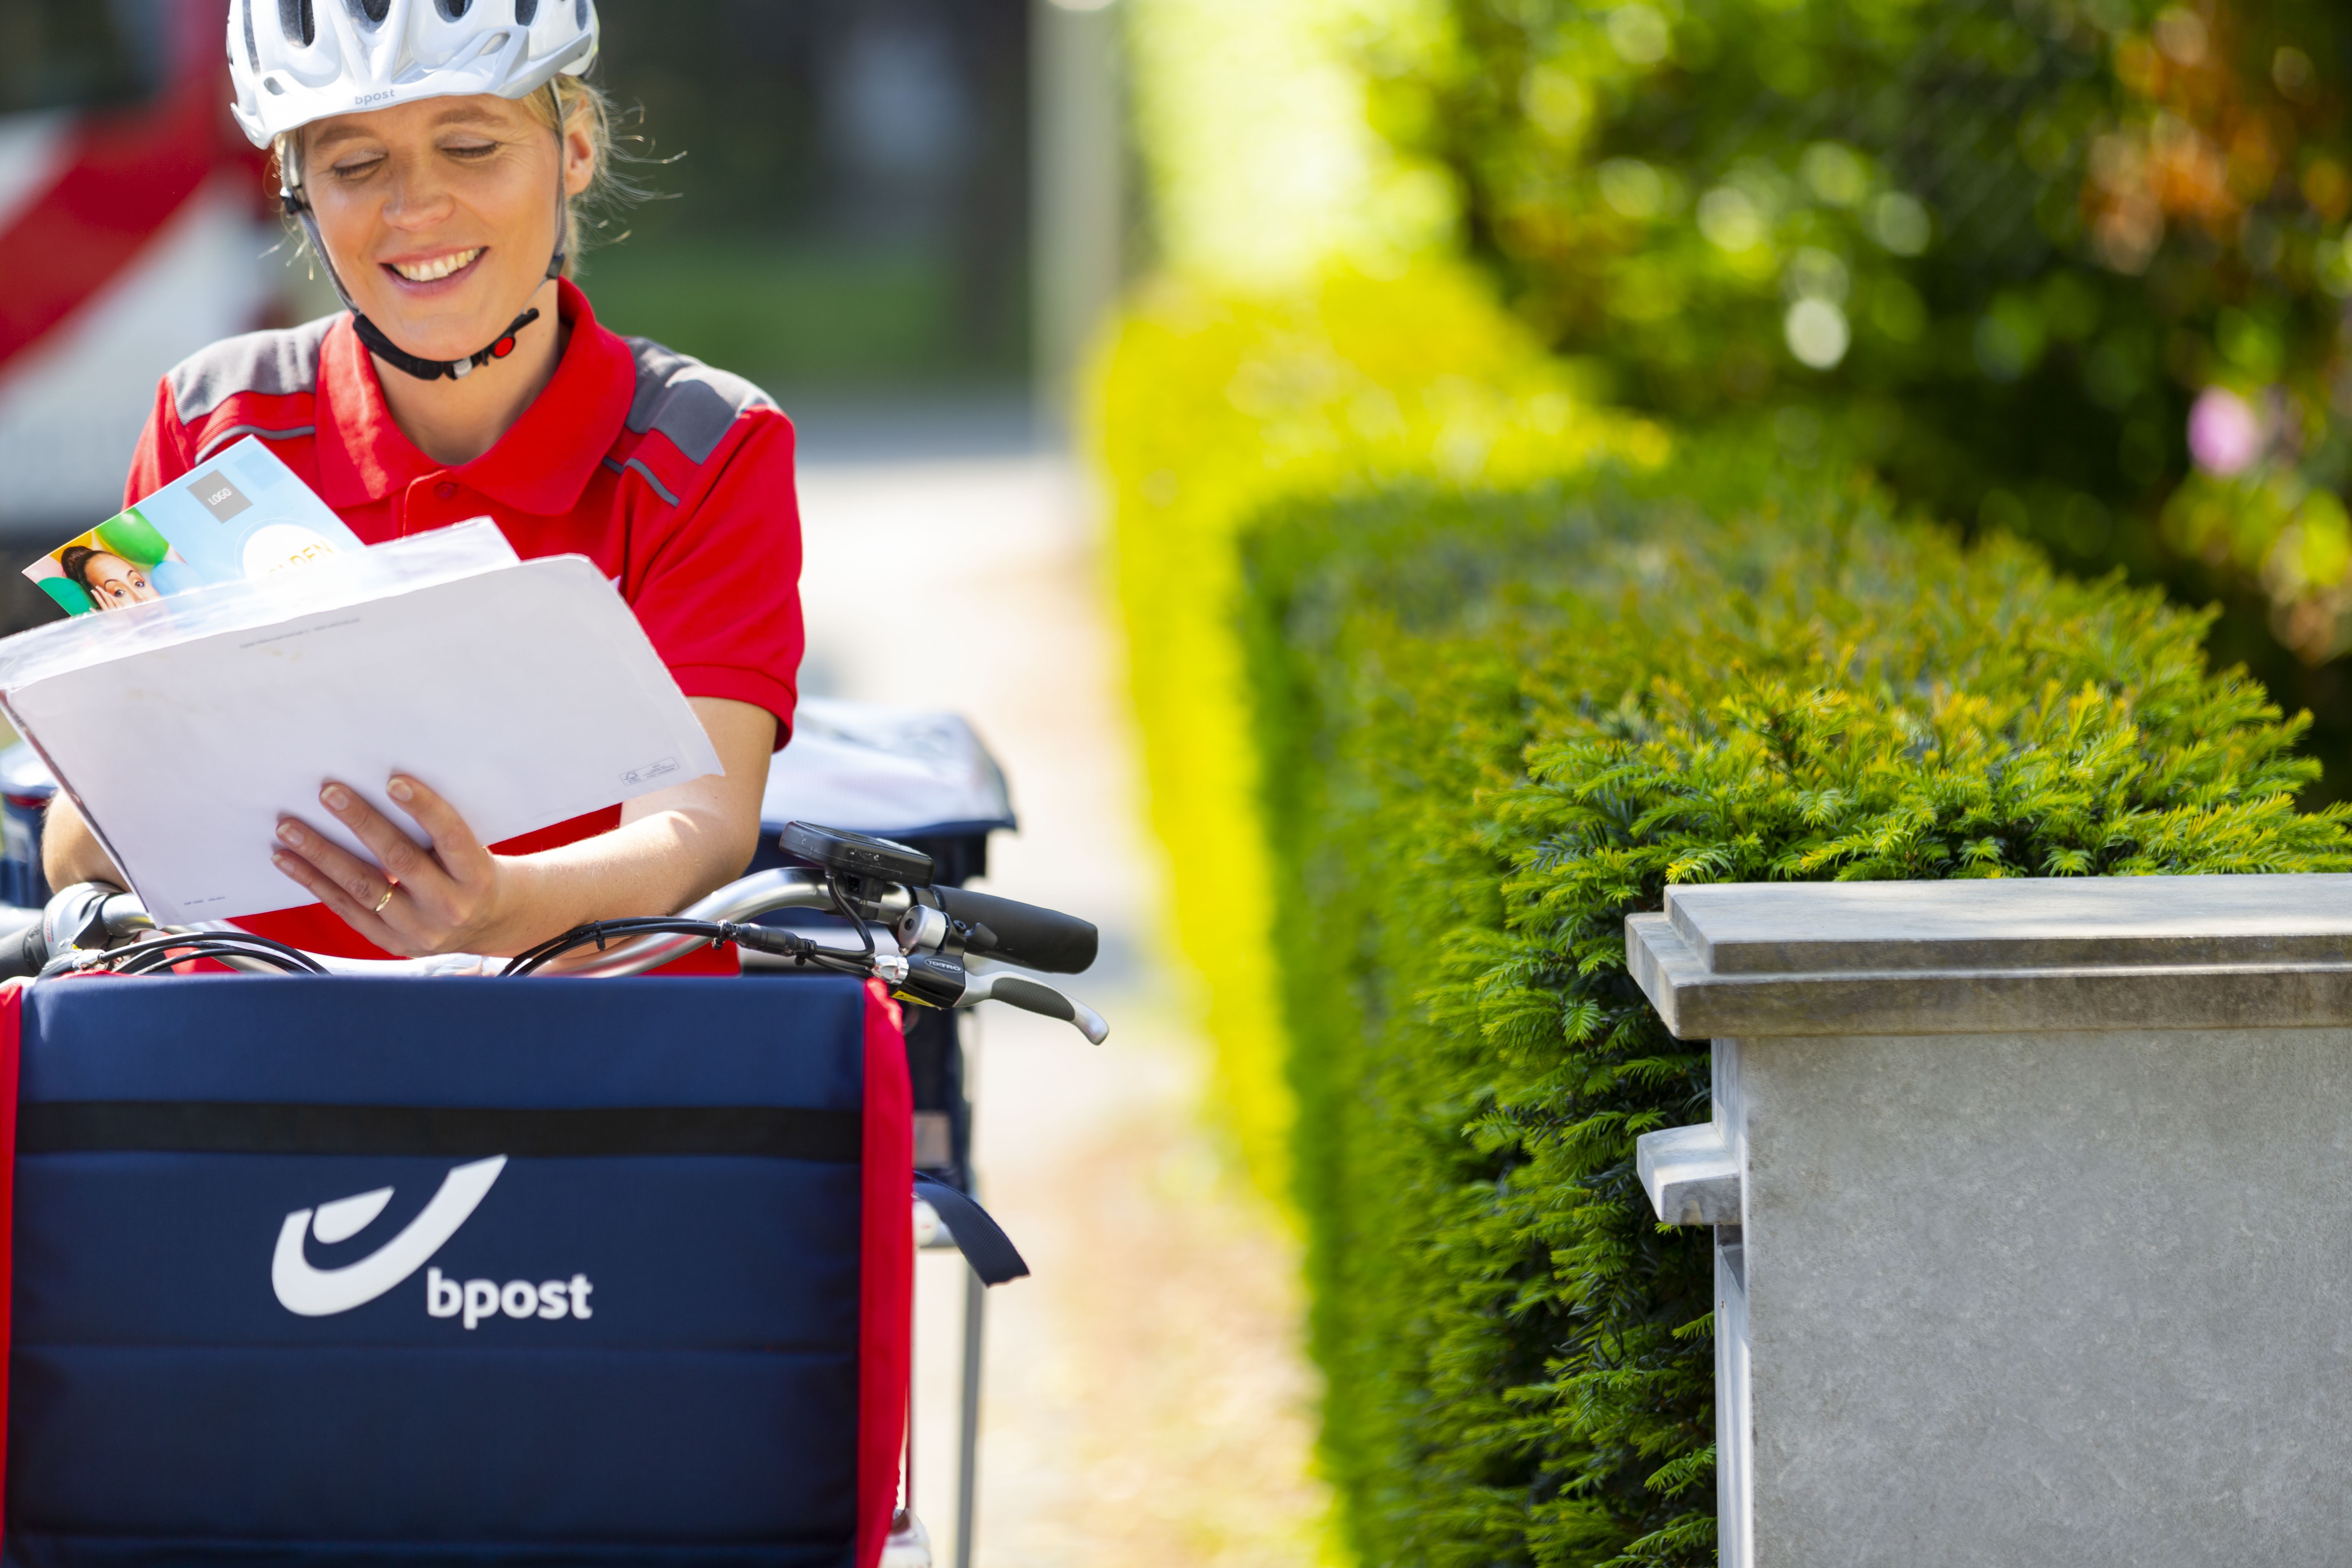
(857, 854)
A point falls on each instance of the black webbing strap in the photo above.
(980, 1239)
(424, 369)
(238, 1127)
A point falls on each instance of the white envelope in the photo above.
(524, 692)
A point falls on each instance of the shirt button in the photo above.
(446, 490)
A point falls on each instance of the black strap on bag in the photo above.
(980, 1239)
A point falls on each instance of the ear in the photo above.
(579, 156)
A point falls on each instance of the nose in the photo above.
(418, 198)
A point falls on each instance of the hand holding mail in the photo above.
(449, 894)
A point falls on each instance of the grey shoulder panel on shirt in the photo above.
(688, 401)
(273, 363)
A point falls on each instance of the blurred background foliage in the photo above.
(2071, 269)
(839, 187)
(1264, 165)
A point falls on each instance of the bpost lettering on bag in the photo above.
(309, 1291)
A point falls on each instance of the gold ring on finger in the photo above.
(381, 902)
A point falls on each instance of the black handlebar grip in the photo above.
(1032, 997)
(1022, 934)
(23, 952)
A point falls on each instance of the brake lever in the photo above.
(1034, 996)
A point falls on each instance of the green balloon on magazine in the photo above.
(133, 538)
(69, 595)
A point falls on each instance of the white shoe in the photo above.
(909, 1545)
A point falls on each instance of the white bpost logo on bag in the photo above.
(309, 1291)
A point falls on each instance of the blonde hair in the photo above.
(566, 103)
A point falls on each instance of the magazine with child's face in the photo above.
(238, 516)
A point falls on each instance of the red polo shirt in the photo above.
(674, 477)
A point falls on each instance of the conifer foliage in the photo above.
(1493, 727)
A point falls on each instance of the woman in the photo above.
(470, 378)
(111, 583)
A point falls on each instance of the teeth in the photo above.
(434, 271)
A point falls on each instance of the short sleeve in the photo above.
(720, 597)
(162, 454)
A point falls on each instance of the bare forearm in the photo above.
(656, 864)
(653, 866)
(71, 852)
(670, 849)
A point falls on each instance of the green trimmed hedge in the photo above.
(1492, 726)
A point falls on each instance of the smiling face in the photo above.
(440, 215)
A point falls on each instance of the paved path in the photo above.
(1147, 1403)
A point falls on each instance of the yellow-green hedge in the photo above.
(1205, 411)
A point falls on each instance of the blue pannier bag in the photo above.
(355, 1271)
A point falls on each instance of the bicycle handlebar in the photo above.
(1019, 934)
(90, 923)
(764, 893)
(24, 947)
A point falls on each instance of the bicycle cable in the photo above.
(601, 933)
(774, 941)
(857, 921)
(146, 957)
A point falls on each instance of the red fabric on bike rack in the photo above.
(12, 1020)
(886, 1288)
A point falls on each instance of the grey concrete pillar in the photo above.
(2033, 1215)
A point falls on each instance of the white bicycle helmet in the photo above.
(294, 61)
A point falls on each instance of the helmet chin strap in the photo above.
(391, 353)
(298, 206)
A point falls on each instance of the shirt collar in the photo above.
(540, 465)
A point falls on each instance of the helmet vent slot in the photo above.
(524, 11)
(295, 21)
(453, 10)
(580, 14)
(252, 49)
(372, 11)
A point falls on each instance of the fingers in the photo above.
(404, 859)
(335, 888)
(336, 866)
(461, 854)
(411, 899)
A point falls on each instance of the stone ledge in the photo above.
(2053, 922)
(1959, 958)
(1690, 1174)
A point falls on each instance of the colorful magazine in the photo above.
(240, 516)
